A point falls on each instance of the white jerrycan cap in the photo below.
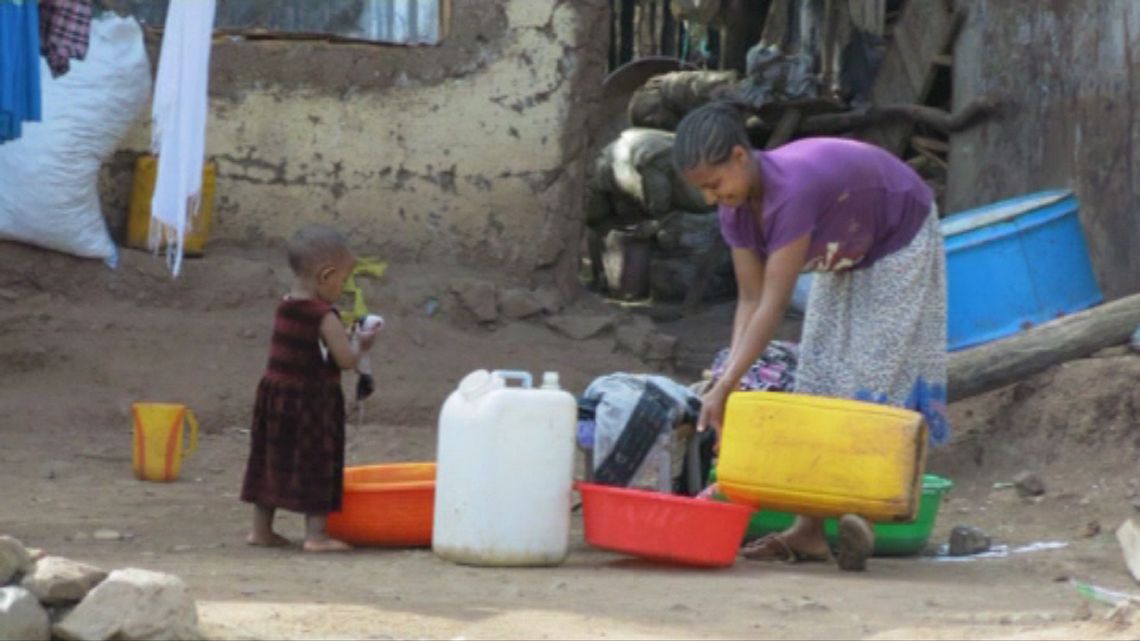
(550, 380)
(477, 384)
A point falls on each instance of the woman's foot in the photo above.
(325, 545)
(267, 540)
(782, 547)
(856, 543)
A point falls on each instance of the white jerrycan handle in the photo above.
(515, 375)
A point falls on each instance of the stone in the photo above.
(133, 604)
(479, 298)
(517, 303)
(633, 336)
(550, 299)
(58, 581)
(1128, 536)
(22, 616)
(581, 326)
(107, 535)
(14, 559)
(660, 346)
(967, 541)
(1028, 484)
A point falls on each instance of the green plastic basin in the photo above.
(891, 539)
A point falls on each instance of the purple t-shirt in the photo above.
(858, 201)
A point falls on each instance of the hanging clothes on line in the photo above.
(179, 114)
(20, 93)
(65, 32)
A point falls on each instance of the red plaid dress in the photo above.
(296, 457)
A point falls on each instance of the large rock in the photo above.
(517, 303)
(660, 347)
(133, 604)
(633, 335)
(14, 559)
(22, 616)
(59, 581)
(581, 326)
(479, 298)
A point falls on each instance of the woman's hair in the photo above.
(708, 134)
(314, 245)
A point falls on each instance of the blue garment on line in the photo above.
(20, 92)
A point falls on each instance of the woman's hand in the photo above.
(712, 410)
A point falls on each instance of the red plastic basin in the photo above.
(663, 527)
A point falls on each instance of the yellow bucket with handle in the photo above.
(159, 439)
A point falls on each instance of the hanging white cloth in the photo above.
(179, 130)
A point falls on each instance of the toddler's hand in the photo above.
(367, 329)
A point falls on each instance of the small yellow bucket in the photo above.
(158, 448)
(138, 220)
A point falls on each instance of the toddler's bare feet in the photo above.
(326, 545)
(270, 540)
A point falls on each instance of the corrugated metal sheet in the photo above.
(401, 21)
(1069, 74)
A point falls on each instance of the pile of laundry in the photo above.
(639, 430)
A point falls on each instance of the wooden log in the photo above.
(992, 365)
(968, 115)
(785, 129)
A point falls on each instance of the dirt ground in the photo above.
(79, 343)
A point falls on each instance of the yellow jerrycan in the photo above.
(823, 457)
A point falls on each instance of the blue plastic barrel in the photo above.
(1014, 264)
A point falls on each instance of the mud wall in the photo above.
(1070, 74)
(469, 151)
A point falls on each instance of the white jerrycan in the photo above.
(504, 471)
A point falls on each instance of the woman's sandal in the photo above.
(856, 543)
(773, 547)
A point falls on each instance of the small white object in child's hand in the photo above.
(372, 323)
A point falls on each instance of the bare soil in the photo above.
(79, 343)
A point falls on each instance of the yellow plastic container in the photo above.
(158, 446)
(822, 457)
(138, 222)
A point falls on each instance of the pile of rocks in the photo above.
(49, 597)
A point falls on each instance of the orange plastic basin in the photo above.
(386, 505)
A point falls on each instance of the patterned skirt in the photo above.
(296, 456)
(879, 334)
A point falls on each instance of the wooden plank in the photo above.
(931, 144)
(869, 15)
(993, 365)
(785, 128)
(934, 158)
(923, 31)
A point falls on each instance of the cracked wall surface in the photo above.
(470, 151)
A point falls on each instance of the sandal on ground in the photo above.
(773, 547)
(856, 543)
